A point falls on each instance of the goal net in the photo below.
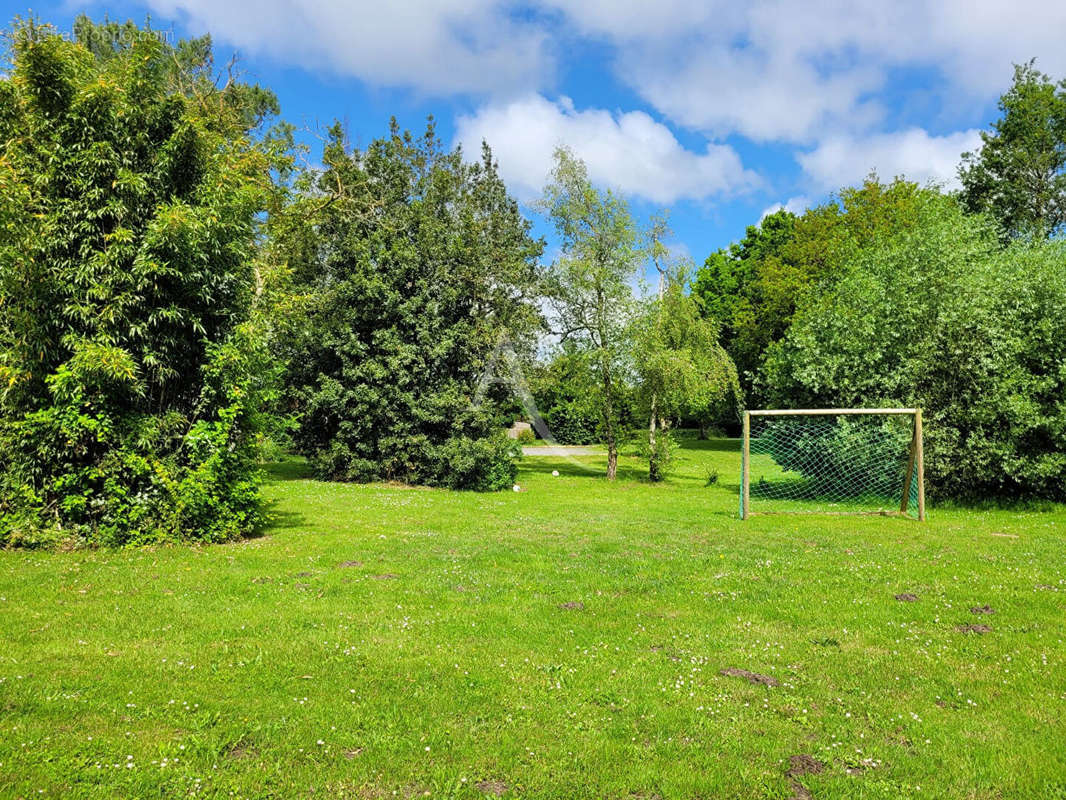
(844, 461)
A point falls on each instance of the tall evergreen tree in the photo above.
(421, 271)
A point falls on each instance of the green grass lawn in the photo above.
(566, 641)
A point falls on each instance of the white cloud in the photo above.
(433, 46)
(816, 74)
(770, 70)
(763, 97)
(844, 160)
(794, 205)
(630, 151)
(788, 71)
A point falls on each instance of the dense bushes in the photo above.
(565, 391)
(131, 387)
(423, 273)
(938, 316)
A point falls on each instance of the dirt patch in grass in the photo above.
(804, 764)
(262, 580)
(982, 610)
(907, 597)
(241, 750)
(304, 575)
(495, 788)
(350, 754)
(573, 605)
(348, 564)
(798, 766)
(750, 677)
(385, 576)
(973, 629)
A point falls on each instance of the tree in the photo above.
(941, 317)
(131, 384)
(754, 288)
(1019, 174)
(413, 269)
(588, 285)
(682, 369)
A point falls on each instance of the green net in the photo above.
(844, 463)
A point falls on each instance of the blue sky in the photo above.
(717, 111)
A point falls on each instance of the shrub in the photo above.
(573, 422)
(846, 456)
(484, 465)
(526, 436)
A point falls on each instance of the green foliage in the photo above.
(939, 317)
(588, 284)
(1019, 174)
(411, 269)
(840, 458)
(526, 436)
(754, 288)
(566, 392)
(487, 464)
(575, 421)
(659, 453)
(130, 385)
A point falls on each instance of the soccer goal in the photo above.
(833, 461)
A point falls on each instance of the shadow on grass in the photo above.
(276, 521)
(710, 445)
(592, 467)
(811, 491)
(293, 468)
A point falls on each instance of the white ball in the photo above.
(516, 488)
(555, 473)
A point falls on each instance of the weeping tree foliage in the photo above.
(682, 370)
(588, 285)
(414, 272)
(130, 382)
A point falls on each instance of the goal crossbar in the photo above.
(798, 412)
(794, 465)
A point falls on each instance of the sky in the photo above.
(716, 111)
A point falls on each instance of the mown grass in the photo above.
(565, 641)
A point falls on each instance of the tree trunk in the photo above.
(608, 421)
(653, 461)
(703, 429)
